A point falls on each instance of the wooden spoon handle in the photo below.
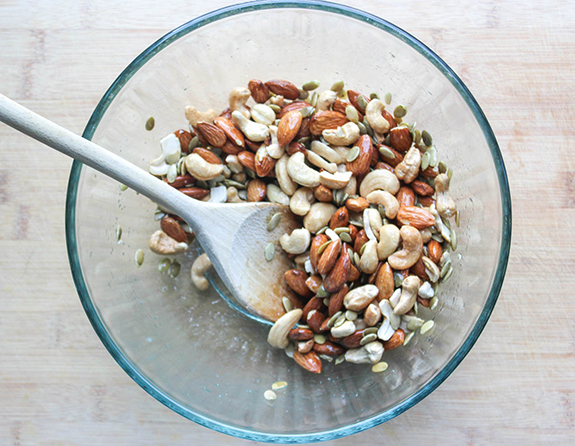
(45, 131)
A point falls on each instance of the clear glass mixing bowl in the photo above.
(190, 350)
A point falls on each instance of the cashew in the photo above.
(162, 244)
(300, 172)
(200, 267)
(431, 269)
(200, 169)
(325, 100)
(171, 148)
(274, 149)
(233, 163)
(318, 161)
(277, 100)
(159, 168)
(276, 195)
(372, 223)
(239, 177)
(345, 329)
(342, 151)
(379, 179)
(263, 114)
(359, 298)
(369, 259)
(425, 235)
(408, 169)
(412, 247)
(227, 172)
(342, 136)
(218, 194)
(388, 201)
(388, 241)
(318, 216)
(444, 203)
(286, 183)
(337, 180)
(297, 242)
(372, 315)
(278, 335)
(374, 116)
(238, 98)
(301, 201)
(387, 311)
(426, 291)
(351, 188)
(368, 354)
(409, 289)
(193, 115)
(326, 152)
(253, 131)
(232, 196)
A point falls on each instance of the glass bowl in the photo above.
(191, 351)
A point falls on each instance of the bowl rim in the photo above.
(93, 313)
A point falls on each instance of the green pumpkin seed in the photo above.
(427, 140)
(379, 367)
(288, 306)
(172, 173)
(270, 395)
(350, 315)
(399, 112)
(232, 183)
(150, 123)
(303, 94)
(367, 339)
(311, 85)
(362, 249)
(319, 339)
(269, 251)
(362, 128)
(425, 161)
(449, 173)
(345, 237)
(433, 303)
(368, 128)
(326, 357)
(337, 86)
(415, 308)
(457, 218)
(386, 153)
(274, 221)
(314, 98)
(275, 108)
(370, 330)
(352, 154)
(322, 247)
(332, 319)
(408, 338)
(123, 187)
(338, 231)
(321, 292)
(381, 211)
(289, 350)
(453, 242)
(194, 142)
(339, 321)
(432, 156)
(414, 324)
(326, 301)
(373, 95)
(356, 258)
(442, 167)
(174, 270)
(139, 257)
(118, 233)
(164, 265)
(350, 254)
(352, 114)
(322, 230)
(279, 385)
(444, 268)
(447, 274)
(426, 327)
(307, 111)
(340, 359)
(417, 137)
(388, 98)
(362, 102)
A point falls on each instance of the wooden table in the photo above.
(58, 384)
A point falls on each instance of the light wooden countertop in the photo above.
(59, 385)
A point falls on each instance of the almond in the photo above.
(400, 139)
(430, 172)
(384, 282)
(358, 204)
(327, 119)
(434, 251)
(173, 229)
(424, 302)
(253, 146)
(207, 155)
(284, 88)
(258, 90)
(392, 162)
(329, 257)
(313, 283)
(256, 190)
(227, 113)
(389, 118)
(419, 270)
(417, 217)
(195, 192)
(352, 233)
(303, 129)
(305, 346)
(288, 127)
(421, 188)
(263, 163)
(382, 165)
(294, 147)
(360, 240)
(314, 320)
(353, 340)
(360, 165)
(339, 219)
(214, 135)
(315, 303)
(340, 105)
(354, 274)
(395, 341)
(294, 106)
(295, 279)
(185, 138)
(182, 181)
(372, 276)
(247, 159)
(309, 361)
(328, 348)
(374, 156)
(336, 301)
(353, 96)
(426, 201)
(339, 274)
(300, 334)
(317, 241)
(323, 194)
(230, 149)
(405, 196)
(230, 130)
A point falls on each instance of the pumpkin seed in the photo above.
(426, 327)
(417, 137)
(174, 270)
(236, 184)
(118, 233)
(164, 265)
(322, 230)
(269, 251)
(362, 249)
(342, 94)
(362, 102)
(352, 114)
(368, 128)
(338, 231)
(442, 167)
(332, 319)
(450, 173)
(289, 350)
(172, 173)
(415, 308)
(303, 94)
(159, 215)
(310, 85)
(319, 339)
(274, 221)
(326, 301)
(314, 98)
(381, 211)
(321, 292)
(123, 187)
(279, 385)
(379, 367)
(352, 154)
(453, 242)
(425, 161)
(414, 324)
(275, 108)
(400, 111)
(373, 95)
(408, 338)
(350, 315)
(427, 140)
(194, 142)
(322, 247)
(342, 200)
(433, 303)
(362, 128)
(288, 306)
(350, 254)
(150, 123)
(326, 357)
(386, 153)
(432, 156)
(345, 237)
(337, 86)
(356, 258)
(340, 359)
(367, 339)
(447, 274)
(306, 111)
(387, 98)
(445, 268)
(270, 395)
(139, 257)
(339, 321)
(370, 330)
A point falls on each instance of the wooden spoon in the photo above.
(233, 235)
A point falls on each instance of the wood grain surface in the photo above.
(59, 385)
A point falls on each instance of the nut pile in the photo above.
(374, 200)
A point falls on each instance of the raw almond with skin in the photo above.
(430, 172)
(315, 303)
(317, 241)
(195, 192)
(354, 274)
(315, 320)
(247, 159)
(329, 349)
(230, 149)
(294, 147)
(336, 301)
(425, 201)
(400, 139)
(339, 219)
(339, 274)
(288, 127)
(435, 251)
(418, 269)
(323, 194)
(405, 196)
(294, 106)
(353, 340)
(173, 229)
(295, 279)
(260, 93)
(303, 129)
(309, 361)
(353, 96)
(389, 118)
(414, 216)
(398, 157)
(360, 240)
(327, 119)
(352, 232)
(182, 181)
(256, 190)
(300, 334)
(207, 155)
(284, 88)
(329, 257)
(253, 146)
(395, 341)
(384, 282)
(227, 113)
(360, 165)
(358, 204)
(382, 165)
(421, 188)
(214, 135)
(263, 163)
(185, 138)
(313, 283)
(230, 130)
